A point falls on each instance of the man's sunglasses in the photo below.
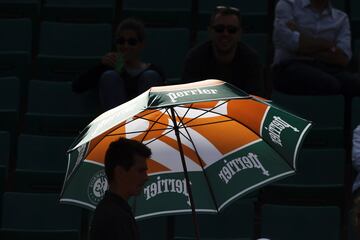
(229, 9)
(130, 41)
(221, 28)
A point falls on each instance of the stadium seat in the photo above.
(355, 18)
(319, 178)
(38, 216)
(172, 81)
(41, 163)
(9, 103)
(67, 49)
(339, 4)
(326, 113)
(79, 10)
(235, 221)
(146, 228)
(167, 47)
(160, 13)
(5, 148)
(53, 109)
(15, 47)
(300, 222)
(254, 13)
(355, 115)
(20, 8)
(329, 162)
(4, 159)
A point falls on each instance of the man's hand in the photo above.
(109, 59)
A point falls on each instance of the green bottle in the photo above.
(119, 64)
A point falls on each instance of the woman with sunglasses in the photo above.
(121, 75)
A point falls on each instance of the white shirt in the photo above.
(331, 24)
(356, 156)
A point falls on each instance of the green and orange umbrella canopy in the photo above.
(208, 138)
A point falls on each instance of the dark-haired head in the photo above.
(131, 24)
(225, 11)
(123, 153)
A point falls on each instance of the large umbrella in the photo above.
(212, 143)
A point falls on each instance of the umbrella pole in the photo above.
(177, 133)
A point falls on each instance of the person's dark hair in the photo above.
(121, 153)
(225, 11)
(134, 25)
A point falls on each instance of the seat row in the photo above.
(64, 50)
(41, 162)
(40, 216)
(52, 108)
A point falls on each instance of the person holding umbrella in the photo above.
(126, 171)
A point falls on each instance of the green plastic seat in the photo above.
(79, 10)
(9, 103)
(355, 18)
(256, 41)
(15, 47)
(67, 49)
(355, 115)
(339, 4)
(326, 113)
(146, 228)
(41, 162)
(319, 178)
(235, 221)
(167, 47)
(4, 148)
(160, 13)
(329, 162)
(19, 8)
(53, 109)
(282, 222)
(254, 13)
(38, 216)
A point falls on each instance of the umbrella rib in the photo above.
(153, 121)
(154, 125)
(205, 111)
(159, 137)
(187, 111)
(150, 130)
(233, 119)
(201, 164)
(210, 123)
(90, 151)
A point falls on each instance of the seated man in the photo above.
(312, 48)
(121, 75)
(225, 57)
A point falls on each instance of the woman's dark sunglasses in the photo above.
(130, 41)
(221, 28)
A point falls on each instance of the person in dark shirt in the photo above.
(126, 171)
(121, 75)
(225, 57)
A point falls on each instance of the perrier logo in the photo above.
(97, 186)
(275, 128)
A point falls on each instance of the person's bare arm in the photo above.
(109, 59)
